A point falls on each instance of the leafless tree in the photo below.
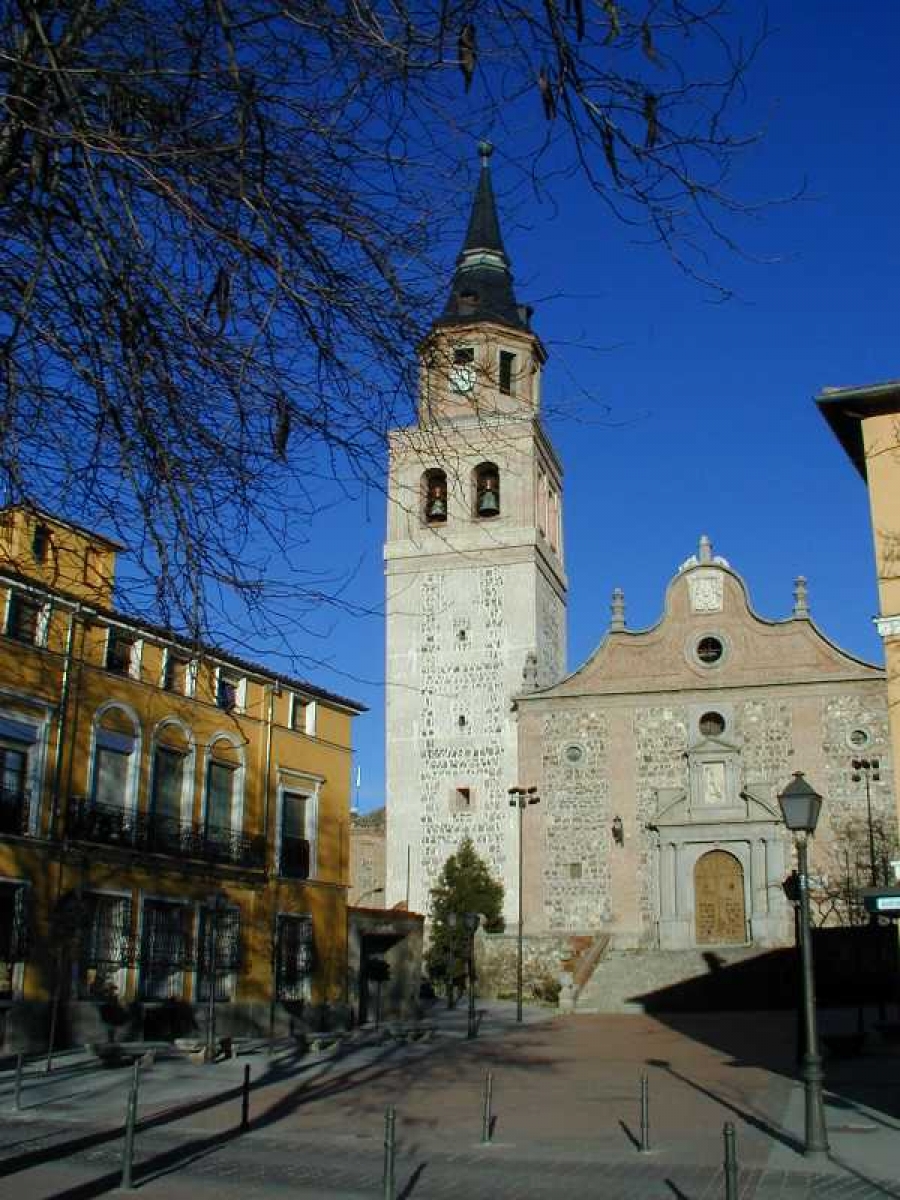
(223, 222)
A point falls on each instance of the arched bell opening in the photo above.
(487, 490)
(434, 496)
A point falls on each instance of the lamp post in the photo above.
(520, 798)
(212, 905)
(800, 805)
(470, 920)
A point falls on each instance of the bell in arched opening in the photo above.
(436, 497)
(487, 500)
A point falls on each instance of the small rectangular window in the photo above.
(463, 354)
(120, 649)
(228, 690)
(24, 619)
(175, 674)
(40, 543)
(298, 713)
(507, 365)
(575, 870)
(462, 799)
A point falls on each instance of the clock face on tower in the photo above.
(462, 377)
(462, 370)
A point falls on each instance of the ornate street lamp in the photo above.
(800, 805)
(470, 921)
(520, 798)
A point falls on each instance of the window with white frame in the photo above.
(295, 842)
(167, 789)
(294, 956)
(223, 964)
(231, 690)
(123, 653)
(177, 673)
(26, 620)
(21, 757)
(165, 949)
(221, 779)
(303, 715)
(115, 759)
(13, 934)
(106, 947)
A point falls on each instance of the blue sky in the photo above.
(689, 416)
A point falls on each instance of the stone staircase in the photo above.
(671, 980)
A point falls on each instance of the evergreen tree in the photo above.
(463, 886)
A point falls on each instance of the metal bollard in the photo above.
(245, 1100)
(731, 1165)
(130, 1121)
(645, 1114)
(17, 1094)
(486, 1117)
(389, 1151)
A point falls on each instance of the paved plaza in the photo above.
(566, 1116)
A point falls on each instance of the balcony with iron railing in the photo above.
(15, 811)
(109, 825)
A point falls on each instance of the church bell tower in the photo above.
(475, 577)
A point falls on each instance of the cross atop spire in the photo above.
(482, 288)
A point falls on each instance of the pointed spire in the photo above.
(705, 553)
(482, 288)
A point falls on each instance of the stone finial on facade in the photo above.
(617, 609)
(705, 552)
(530, 672)
(801, 597)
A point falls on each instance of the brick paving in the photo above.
(566, 1107)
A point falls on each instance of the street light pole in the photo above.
(519, 798)
(862, 768)
(800, 806)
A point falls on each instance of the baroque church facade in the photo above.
(658, 762)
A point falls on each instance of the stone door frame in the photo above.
(757, 839)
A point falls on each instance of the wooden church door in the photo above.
(719, 899)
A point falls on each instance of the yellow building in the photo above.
(171, 817)
(866, 421)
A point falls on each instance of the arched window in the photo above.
(223, 812)
(434, 498)
(116, 764)
(171, 785)
(487, 490)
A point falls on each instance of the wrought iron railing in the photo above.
(15, 811)
(110, 825)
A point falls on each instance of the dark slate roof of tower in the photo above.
(482, 288)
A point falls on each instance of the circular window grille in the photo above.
(709, 650)
(859, 738)
(574, 754)
(712, 724)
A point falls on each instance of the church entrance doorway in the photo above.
(719, 899)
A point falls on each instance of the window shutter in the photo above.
(19, 940)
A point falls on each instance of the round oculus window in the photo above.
(709, 650)
(712, 724)
(573, 754)
(859, 738)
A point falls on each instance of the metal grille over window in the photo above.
(227, 959)
(107, 937)
(165, 949)
(294, 957)
(13, 933)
